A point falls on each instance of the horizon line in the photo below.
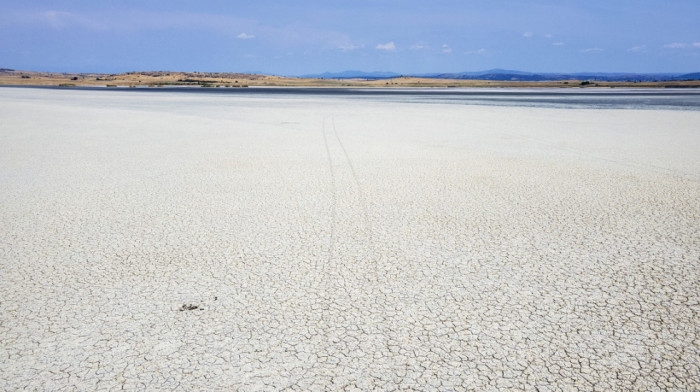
(397, 74)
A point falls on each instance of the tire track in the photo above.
(334, 199)
(352, 167)
(362, 197)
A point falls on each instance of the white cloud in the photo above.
(696, 44)
(528, 34)
(389, 46)
(637, 49)
(591, 50)
(292, 36)
(547, 35)
(558, 44)
(133, 22)
(481, 51)
(446, 48)
(675, 45)
(417, 47)
(349, 47)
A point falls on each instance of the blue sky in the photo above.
(299, 37)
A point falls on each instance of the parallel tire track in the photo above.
(362, 197)
(334, 198)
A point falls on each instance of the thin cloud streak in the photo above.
(389, 46)
(591, 50)
(481, 52)
(143, 21)
(350, 47)
(675, 45)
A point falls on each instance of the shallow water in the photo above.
(637, 99)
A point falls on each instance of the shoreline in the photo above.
(556, 98)
(235, 80)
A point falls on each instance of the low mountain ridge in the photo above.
(512, 75)
(353, 75)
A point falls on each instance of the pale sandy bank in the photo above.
(334, 243)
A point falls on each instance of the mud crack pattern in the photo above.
(192, 242)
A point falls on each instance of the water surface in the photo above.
(644, 99)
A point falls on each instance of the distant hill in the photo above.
(533, 77)
(519, 76)
(690, 76)
(353, 75)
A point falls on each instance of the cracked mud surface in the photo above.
(336, 244)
